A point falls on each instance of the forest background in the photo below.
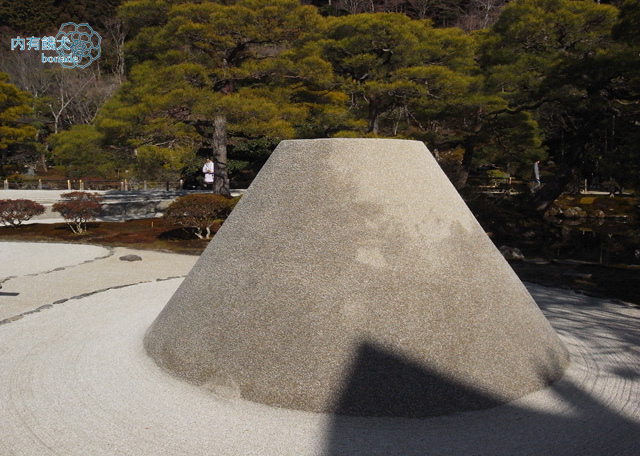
(490, 86)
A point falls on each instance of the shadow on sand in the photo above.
(593, 410)
(381, 383)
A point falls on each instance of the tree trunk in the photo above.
(374, 115)
(465, 167)
(43, 162)
(470, 144)
(219, 146)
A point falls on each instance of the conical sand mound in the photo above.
(352, 278)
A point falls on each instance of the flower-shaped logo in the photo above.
(78, 45)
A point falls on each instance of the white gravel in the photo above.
(17, 259)
(74, 380)
(39, 274)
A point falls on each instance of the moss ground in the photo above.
(155, 234)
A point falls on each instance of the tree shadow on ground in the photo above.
(592, 410)
(381, 383)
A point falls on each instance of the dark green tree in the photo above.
(80, 152)
(377, 57)
(35, 17)
(408, 79)
(550, 57)
(15, 107)
(217, 72)
(623, 155)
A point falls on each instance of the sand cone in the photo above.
(352, 278)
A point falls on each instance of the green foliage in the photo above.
(626, 30)
(244, 62)
(255, 149)
(15, 105)
(512, 141)
(547, 80)
(38, 16)
(535, 38)
(250, 154)
(160, 163)
(410, 80)
(14, 212)
(78, 208)
(198, 212)
(624, 90)
(557, 61)
(80, 152)
(369, 52)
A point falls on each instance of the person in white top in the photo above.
(208, 169)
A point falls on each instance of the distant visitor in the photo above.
(208, 169)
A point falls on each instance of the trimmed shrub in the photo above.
(198, 212)
(14, 212)
(77, 208)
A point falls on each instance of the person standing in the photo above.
(536, 175)
(208, 170)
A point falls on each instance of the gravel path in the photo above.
(74, 380)
(41, 274)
